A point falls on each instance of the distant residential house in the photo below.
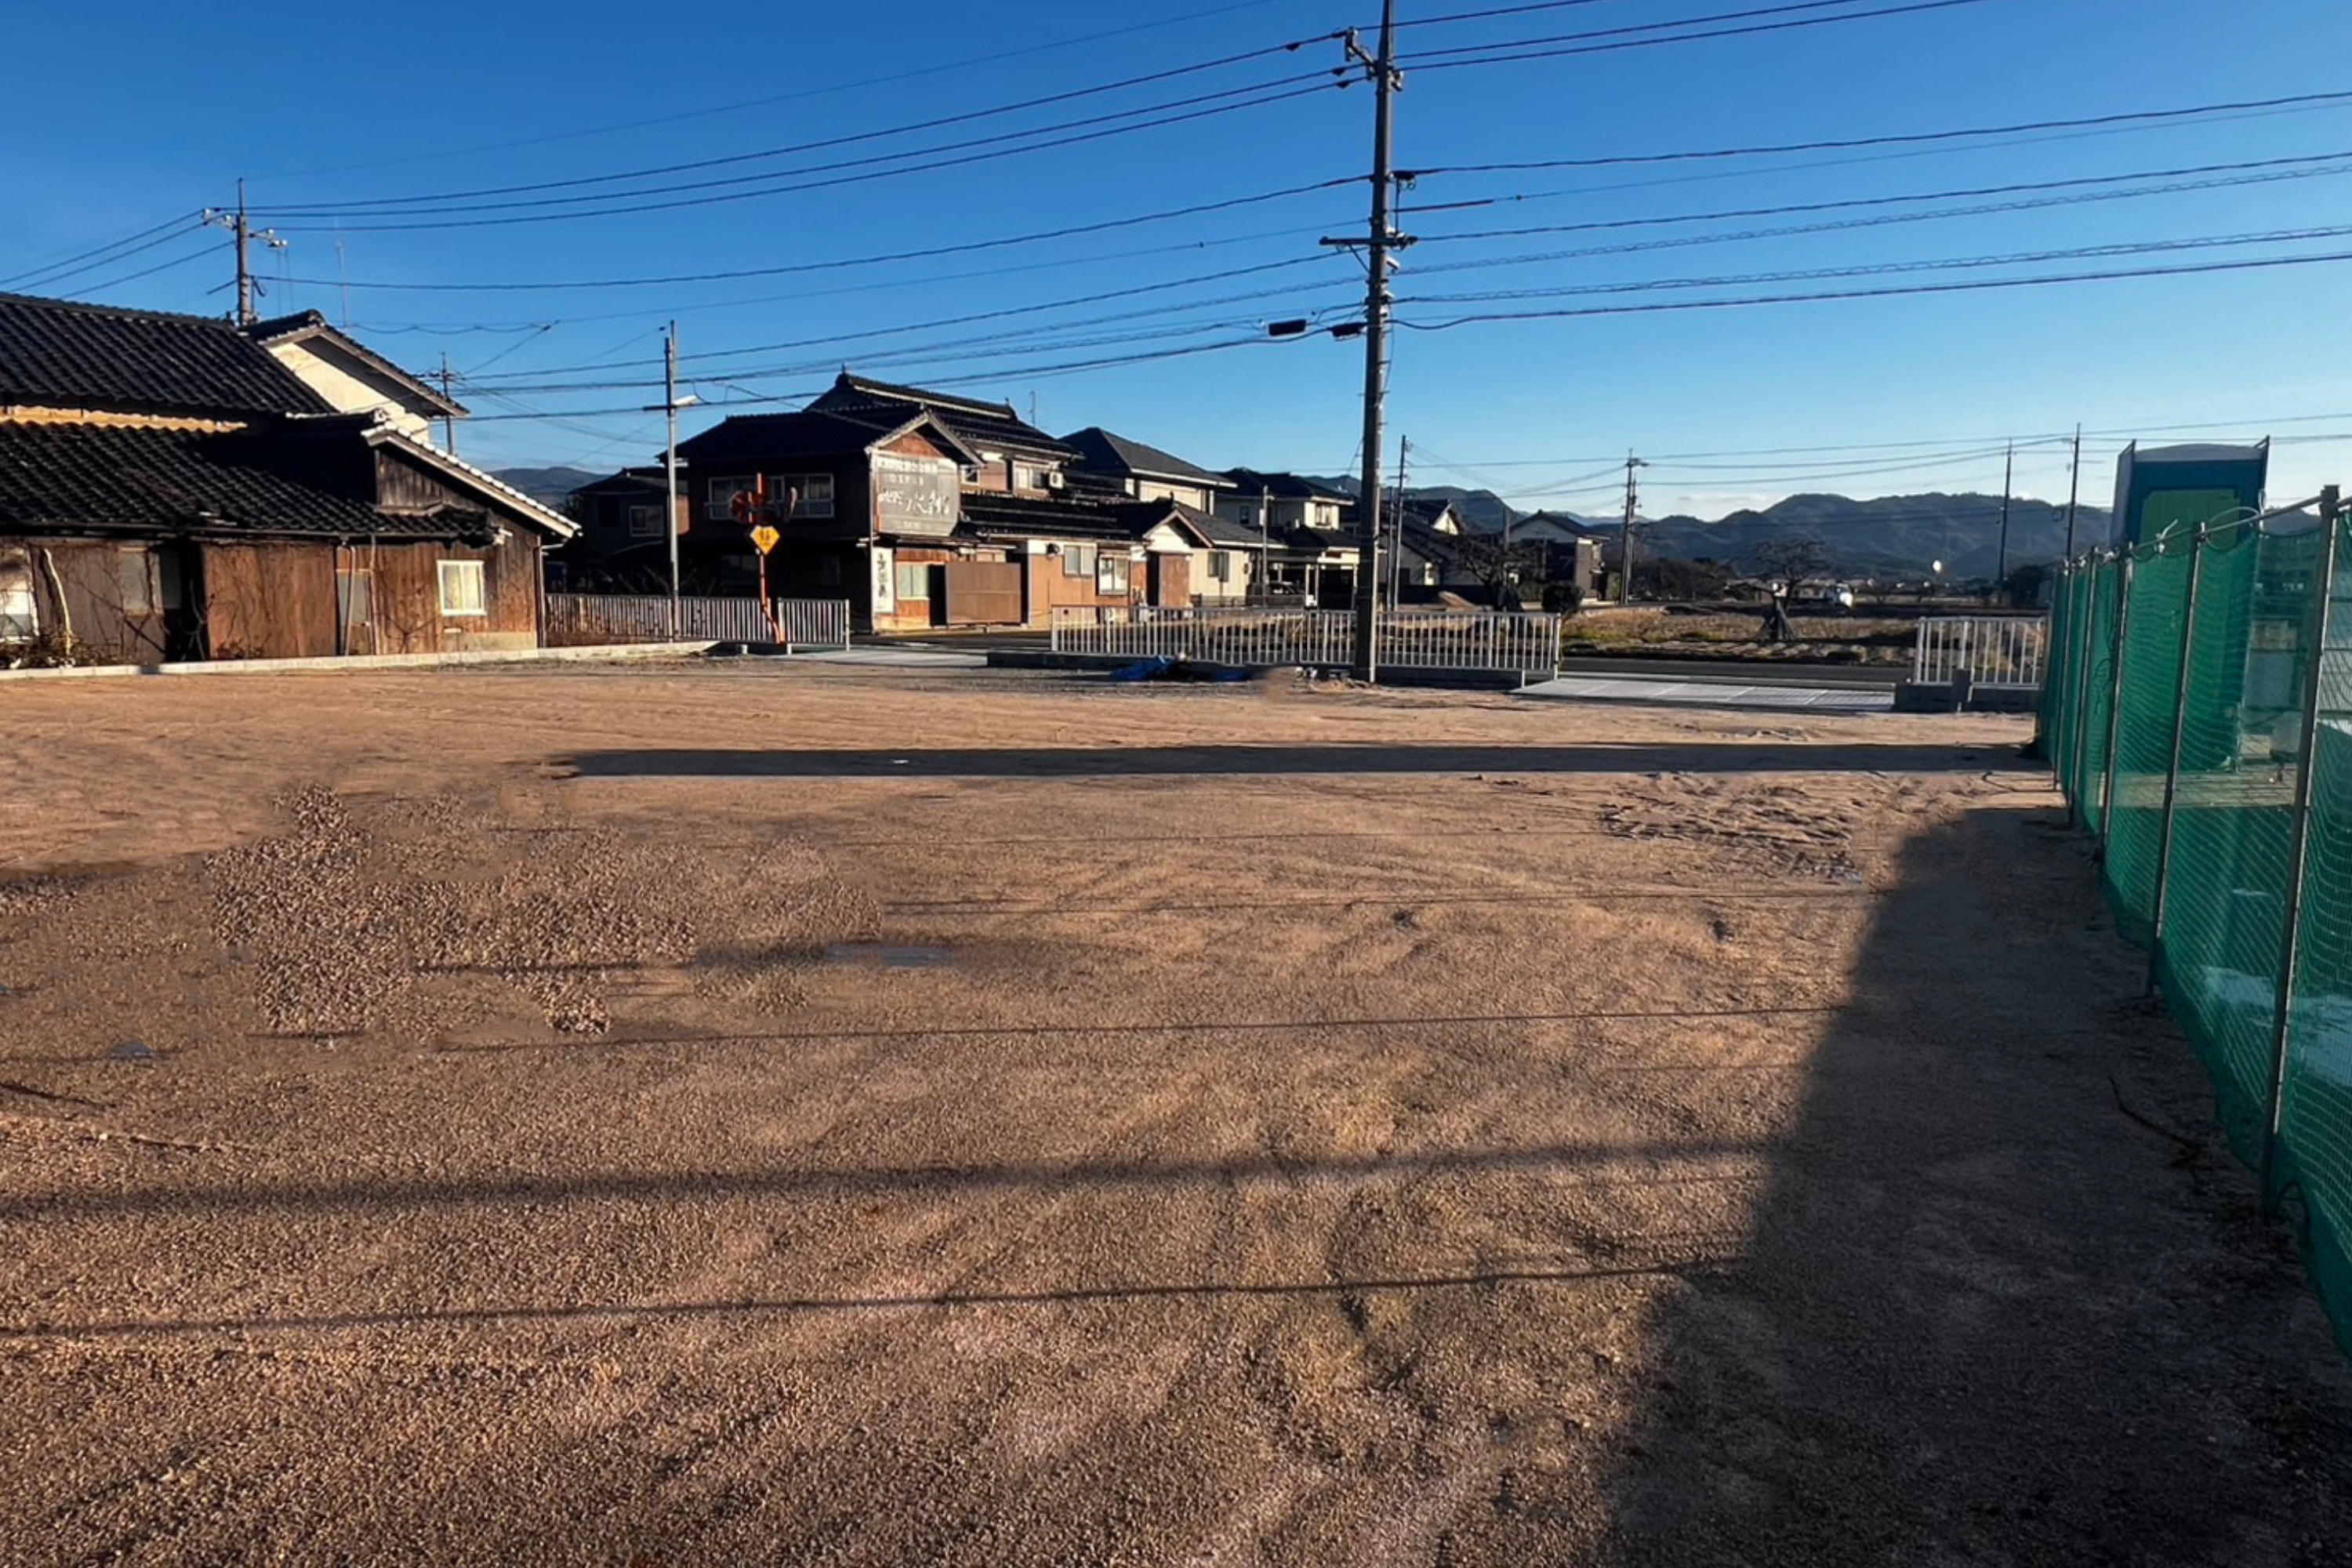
(1146, 473)
(171, 490)
(623, 546)
(1558, 547)
(1309, 552)
(350, 377)
(924, 510)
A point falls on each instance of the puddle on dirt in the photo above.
(132, 1051)
(881, 955)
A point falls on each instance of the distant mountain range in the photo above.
(1893, 536)
(549, 487)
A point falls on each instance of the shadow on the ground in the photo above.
(1122, 762)
(1984, 1317)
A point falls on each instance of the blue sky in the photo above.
(331, 113)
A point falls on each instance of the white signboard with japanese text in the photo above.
(916, 495)
(886, 581)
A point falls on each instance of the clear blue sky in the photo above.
(152, 110)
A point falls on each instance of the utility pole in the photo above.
(1396, 532)
(448, 421)
(2008, 483)
(2074, 490)
(243, 235)
(1386, 79)
(668, 406)
(1634, 466)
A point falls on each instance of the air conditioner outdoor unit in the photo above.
(1054, 479)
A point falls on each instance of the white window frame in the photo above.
(718, 505)
(20, 616)
(465, 572)
(1079, 560)
(1114, 573)
(1220, 565)
(922, 579)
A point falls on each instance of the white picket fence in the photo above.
(1254, 636)
(800, 625)
(1996, 651)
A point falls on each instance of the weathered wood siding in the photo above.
(269, 600)
(95, 608)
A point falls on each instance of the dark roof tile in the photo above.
(1098, 449)
(56, 353)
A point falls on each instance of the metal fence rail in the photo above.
(1996, 651)
(2199, 717)
(1251, 636)
(580, 620)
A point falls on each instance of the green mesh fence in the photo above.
(2222, 788)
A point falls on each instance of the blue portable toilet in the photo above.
(2159, 488)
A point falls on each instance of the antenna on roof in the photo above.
(1032, 408)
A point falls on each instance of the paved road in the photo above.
(1746, 672)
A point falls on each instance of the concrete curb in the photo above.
(361, 662)
(1031, 658)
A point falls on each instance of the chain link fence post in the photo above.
(2299, 854)
(2172, 769)
(2115, 696)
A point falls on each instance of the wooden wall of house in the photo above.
(269, 600)
(1051, 588)
(100, 595)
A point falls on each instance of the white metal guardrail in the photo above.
(1996, 651)
(809, 626)
(1413, 639)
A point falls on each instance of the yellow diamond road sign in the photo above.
(765, 537)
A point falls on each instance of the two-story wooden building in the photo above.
(921, 509)
(170, 489)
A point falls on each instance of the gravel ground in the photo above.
(710, 1114)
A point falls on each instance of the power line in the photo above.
(2262, 171)
(1081, 135)
(85, 289)
(1880, 220)
(893, 78)
(102, 256)
(1095, 125)
(2138, 117)
(1440, 60)
(928, 253)
(1968, 286)
(980, 316)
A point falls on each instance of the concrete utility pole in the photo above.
(1396, 531)
(243, 235)
(448, 421)
(2074, 490)
(2008, 483)
(669, 406)
(1387, 80)
(1633, 464)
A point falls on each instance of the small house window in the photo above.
(1078, 561)
(135, 571)
(461, 589)
(811, 494)
(644, 522)
(1221, 566)
(914, 582)
(720, 508)
(1110, 576)
(18, 618)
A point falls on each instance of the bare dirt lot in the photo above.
(709, 1114)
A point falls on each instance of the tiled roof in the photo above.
(54, 353)
(145, 481)
(1289, 487)
(757, 439)
(1098, 449)
(999, 516)
(993, 426)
